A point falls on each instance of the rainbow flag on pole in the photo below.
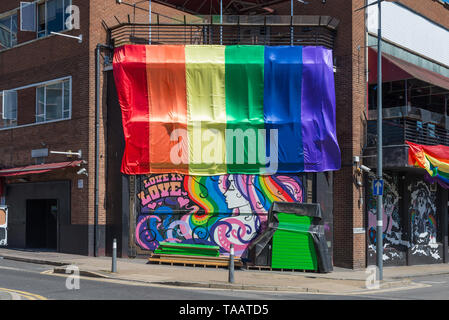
(434, 159)
(213, 110)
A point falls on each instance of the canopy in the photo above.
(40, 168)
(394, 69)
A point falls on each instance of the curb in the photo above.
(407, 277)
(390, 283)
(35, 261)
(420, 275)
(191, 284)
(231, 286)
(84, 273)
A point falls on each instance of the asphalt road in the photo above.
(19, 280)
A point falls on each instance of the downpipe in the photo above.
(97, 141)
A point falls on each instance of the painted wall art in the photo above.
(212, 210)
(423, 213)
(394, 240)
(3, 226)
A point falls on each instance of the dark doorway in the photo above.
(41, 224)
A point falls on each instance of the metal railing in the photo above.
(415, 113)
(397, 131)
(251, 30)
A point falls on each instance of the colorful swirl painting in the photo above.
(214, 210)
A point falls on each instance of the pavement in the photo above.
(340, 281)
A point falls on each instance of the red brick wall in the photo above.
(349, 248)
(54, 57)
(27, 101)
(431, 9)
(37, 61)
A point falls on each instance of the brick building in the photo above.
(354, 242)
(52, 80)
(347, 203)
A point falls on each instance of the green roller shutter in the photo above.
(293, 246)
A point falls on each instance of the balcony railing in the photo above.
(397, 131)
(414, 113)
(251, 30)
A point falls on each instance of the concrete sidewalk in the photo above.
(339, 281)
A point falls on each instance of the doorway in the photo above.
(41, 224)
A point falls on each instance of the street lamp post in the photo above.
(379, 211)
(221, 22)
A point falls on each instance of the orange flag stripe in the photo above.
(166, 78)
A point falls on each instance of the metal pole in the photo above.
(379, 145)
(291, 22)
(149, 19)
(221, 22)
(231, 264)
(114, 255)
(97, 151)
(97, 143)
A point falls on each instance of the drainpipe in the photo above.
(97, 142)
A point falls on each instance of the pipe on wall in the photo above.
(97, 141)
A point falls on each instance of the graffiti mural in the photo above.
(394, 240)
(213, 210)
(422, 210)
(3, 226)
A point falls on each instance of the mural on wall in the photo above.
(213, 210)
(395, 244)
(3, 226)
(422, 211)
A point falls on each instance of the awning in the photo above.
(40, 168)
(394, 69)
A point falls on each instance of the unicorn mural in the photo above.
(214, 210)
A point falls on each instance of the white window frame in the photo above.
(6, 123)
(35, 85)
(10, 16)
(24, 5)
(44, 33)
(8, 92)
(45, 85)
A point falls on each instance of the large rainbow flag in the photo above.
(213, 110)
(434, 159)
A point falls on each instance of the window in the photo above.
(8, 109)
(8, 32)
(52, 16)
(53, 101)
(28, 16)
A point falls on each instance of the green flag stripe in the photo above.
(244, 107)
